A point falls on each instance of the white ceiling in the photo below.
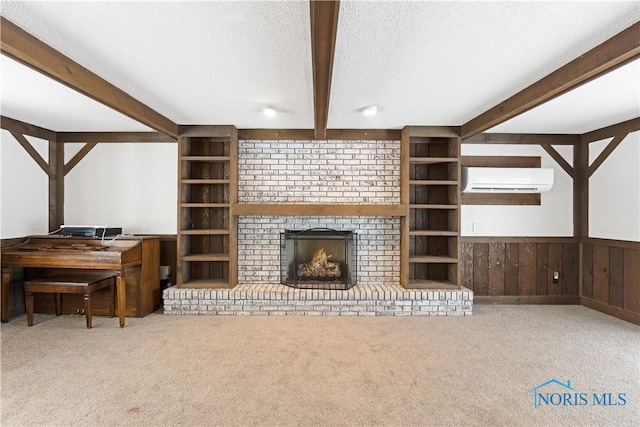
(421, 63)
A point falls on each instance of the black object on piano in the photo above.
(89, 231)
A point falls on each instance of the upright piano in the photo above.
(135, 261)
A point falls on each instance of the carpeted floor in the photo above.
(216, 370)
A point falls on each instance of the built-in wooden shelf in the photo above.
(430, 185)
(432, 206)
(430, 259)
(205, 205)
(205, 232)
(432, 160)
(432, 284)
(433, 233)
(206, 158)
(288, 209)
(432, 182)
(205, 181)
(205, 284)
(205, 257)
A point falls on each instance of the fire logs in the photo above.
(319, 266)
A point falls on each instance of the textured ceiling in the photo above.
(421, 63)
(432, 63)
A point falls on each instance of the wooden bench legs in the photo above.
(66, 283)
(28, 300)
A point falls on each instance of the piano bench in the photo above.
(72, 282)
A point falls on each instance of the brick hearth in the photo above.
(361, 300)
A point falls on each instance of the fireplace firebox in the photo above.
(318, 258)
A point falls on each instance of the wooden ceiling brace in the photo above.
(78, 156)
(32, 152)
(52, 168)
(613, 53)
(32, 52)
(559, 159)
(613, 144)
(324, 26)
(13, 125)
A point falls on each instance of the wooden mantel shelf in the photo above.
(322, 210)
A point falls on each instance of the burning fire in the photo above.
(319, 266)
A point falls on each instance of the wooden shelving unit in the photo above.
(431, 190)
(207, 191)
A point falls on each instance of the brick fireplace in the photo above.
(330, 172)
(319, 172)
(259, 246)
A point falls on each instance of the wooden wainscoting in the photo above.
(15, 292)
(611, 277)
(520, 270)
(169, 255)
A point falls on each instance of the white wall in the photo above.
(614, 191)
(553, 218)
(24, 189)
(133, 186)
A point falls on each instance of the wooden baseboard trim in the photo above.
(527, 299)
(620, 313)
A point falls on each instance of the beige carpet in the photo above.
(212, 370)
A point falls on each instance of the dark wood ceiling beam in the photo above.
(309, 134)
(13, 125)
(276, 134)
(23, 47)
(523, 138)
(324, 26)
(365, 134)
(613, 53)
(213, 131)
(114, 137)
(433, 131)
(622, 128)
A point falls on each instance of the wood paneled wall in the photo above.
(521, 269)
(169, 255)
(611, 277)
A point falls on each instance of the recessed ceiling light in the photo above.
(269, 111)
(371, 110)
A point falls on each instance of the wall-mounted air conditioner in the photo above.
(506, 180)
